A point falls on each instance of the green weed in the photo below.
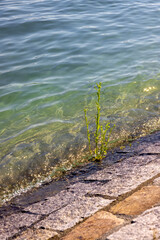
(88, 133)
(102, 134)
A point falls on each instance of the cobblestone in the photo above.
(73, 213)
(145, 226)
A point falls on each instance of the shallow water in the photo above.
(52, 54)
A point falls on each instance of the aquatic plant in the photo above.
(102, 134)
(88, 133)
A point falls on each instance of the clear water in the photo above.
(52, 54)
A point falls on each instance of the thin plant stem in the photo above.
(101, 135)
(88, 133)
(97, 118)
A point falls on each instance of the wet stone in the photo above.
(152, 149)
(127, 166)
(124, 176)
(73, 213)
(48, 189)
(139, 201)
(94, 227)
(12, 224)
(148, 145)
(52, 204)
(151, 145)
(36, 234)
(83, 188)
(145, 226)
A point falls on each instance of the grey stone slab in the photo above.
(11, 225)
(36, 234)
(83, 187)
(73, 213)
(60, 200)
(145, 226)
(121, 177)
(47, 189)
(152, 149)
(147, 144)
(124, 167)
(127, 180)
(52, 203)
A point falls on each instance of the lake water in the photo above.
(52, 55)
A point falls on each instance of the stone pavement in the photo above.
(99, 201)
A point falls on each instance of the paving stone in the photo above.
(148, 144)
(11, 225)
(94, 227)
(156, 182)
(83, 187)
(152, 149)
(52, 203)
(124, 176)
(73, 213)
(138, 202)
(145, 227)
(126, 166)
(37, 234)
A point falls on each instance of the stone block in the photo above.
(148, 144)
(73, 213)
(52, 203)
(37, 234)
(94, 227)
(156, 181)
(138, 202)
(125, 176)
(126, 166)
(12, 224)
(145, 226)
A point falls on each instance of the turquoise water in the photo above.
(52, 54)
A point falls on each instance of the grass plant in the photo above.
(102, 133)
